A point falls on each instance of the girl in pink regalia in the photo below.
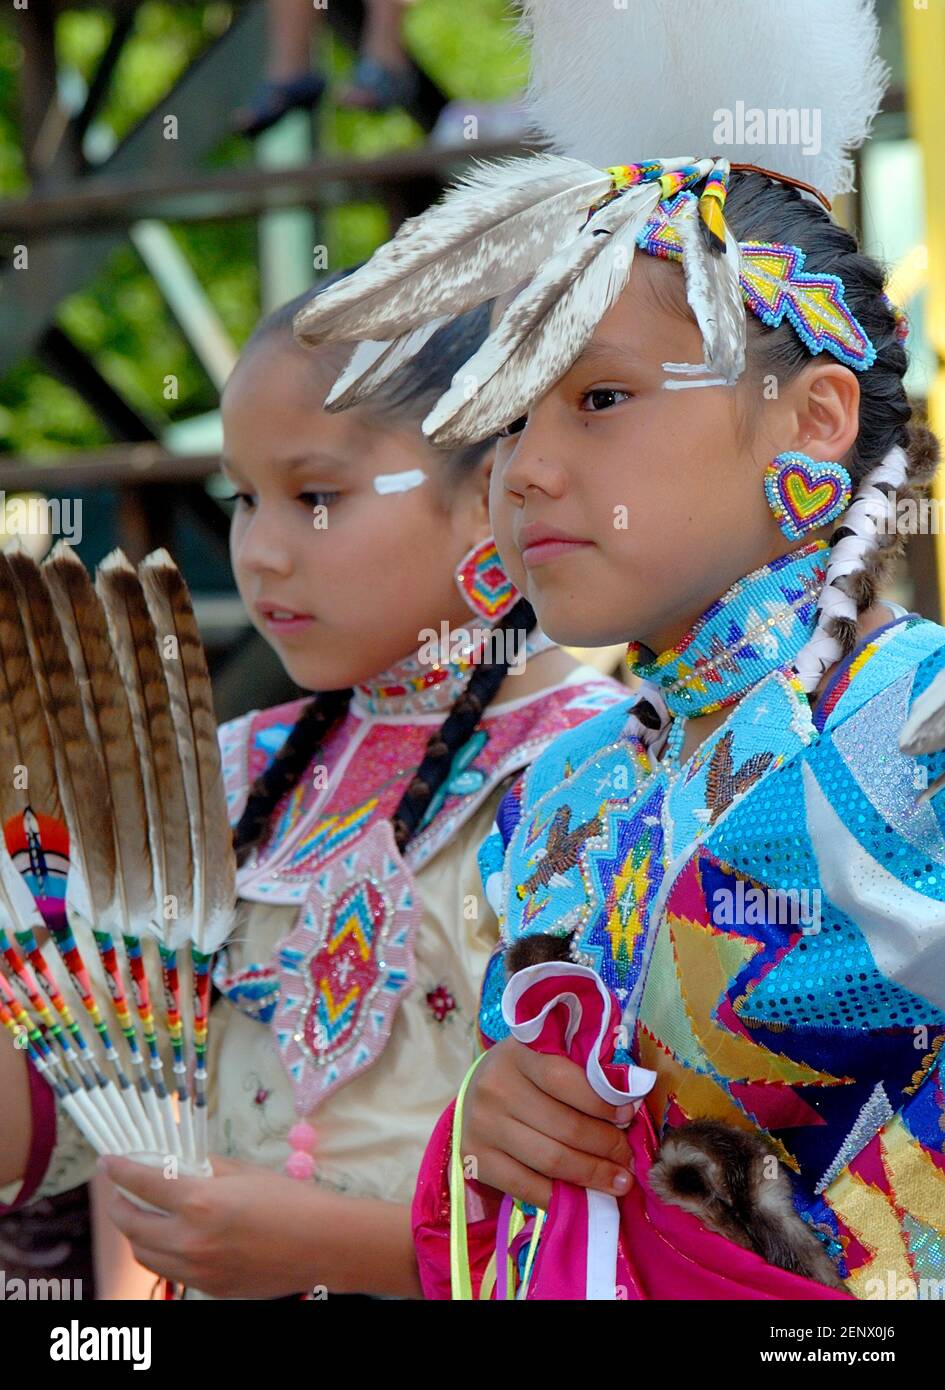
(348, 988)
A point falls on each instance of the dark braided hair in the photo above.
(287, 767)
(455, 730)
(406, 399)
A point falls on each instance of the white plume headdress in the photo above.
(612, 83)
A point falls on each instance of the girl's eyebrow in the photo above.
(316, 457)
(595, 352)
(292, 465)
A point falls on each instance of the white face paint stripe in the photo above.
(399, 482)
(695, 371)
(685, 385)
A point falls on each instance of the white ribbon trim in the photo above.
(863, 517)
(640, 1080)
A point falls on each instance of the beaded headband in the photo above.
(568, 229)
(773, 282)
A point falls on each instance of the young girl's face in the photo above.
(660, 491)
(339, 565)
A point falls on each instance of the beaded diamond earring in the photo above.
(804, 494)
(483, 582)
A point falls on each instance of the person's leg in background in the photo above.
(291, 82)
(384, 76)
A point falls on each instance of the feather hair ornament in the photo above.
(610, 83)
(496, 226)
(547, 325)
(373, 364)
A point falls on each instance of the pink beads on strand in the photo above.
(300, 1163)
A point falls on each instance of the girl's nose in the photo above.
(263, 544)
(534, 460)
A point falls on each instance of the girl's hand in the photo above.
(248, 1232)
(528, 1118)
(235, 1235)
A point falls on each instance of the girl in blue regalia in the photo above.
(704, 458)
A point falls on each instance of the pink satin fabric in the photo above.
(662, 1251)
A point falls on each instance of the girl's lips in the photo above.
(543, 551)
(282, 621)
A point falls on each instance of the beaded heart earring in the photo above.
(483, 582)
(804, 494)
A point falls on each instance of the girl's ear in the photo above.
(482, 526)
(828, 411)
(485, 467)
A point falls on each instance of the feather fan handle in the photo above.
(139, 664)
(80, 1064)
(490, 231)
(82, 787)
(24, 736)
(76, 1102)
(545, 328)
(191, 702)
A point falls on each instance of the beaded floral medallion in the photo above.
(331, 988)
(344, 967)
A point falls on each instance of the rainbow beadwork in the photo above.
(761, 622)
(804, 494)
(902, 320)
(775, 286)
(484, 584)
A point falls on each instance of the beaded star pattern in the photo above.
(762, 621)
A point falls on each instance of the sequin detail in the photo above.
(777, 975)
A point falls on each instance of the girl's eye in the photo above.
(602, 397)
(515, 427)
(318, 499)
(242, 499)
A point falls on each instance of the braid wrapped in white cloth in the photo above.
(867, 517)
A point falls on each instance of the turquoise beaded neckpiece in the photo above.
(757, 626)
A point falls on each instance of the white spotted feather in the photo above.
(372, 364)
(489, 232)
(546, 327)
(714, 294)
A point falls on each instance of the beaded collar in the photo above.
(418, 686)
(758, 625)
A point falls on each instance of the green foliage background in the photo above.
(120, 318)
